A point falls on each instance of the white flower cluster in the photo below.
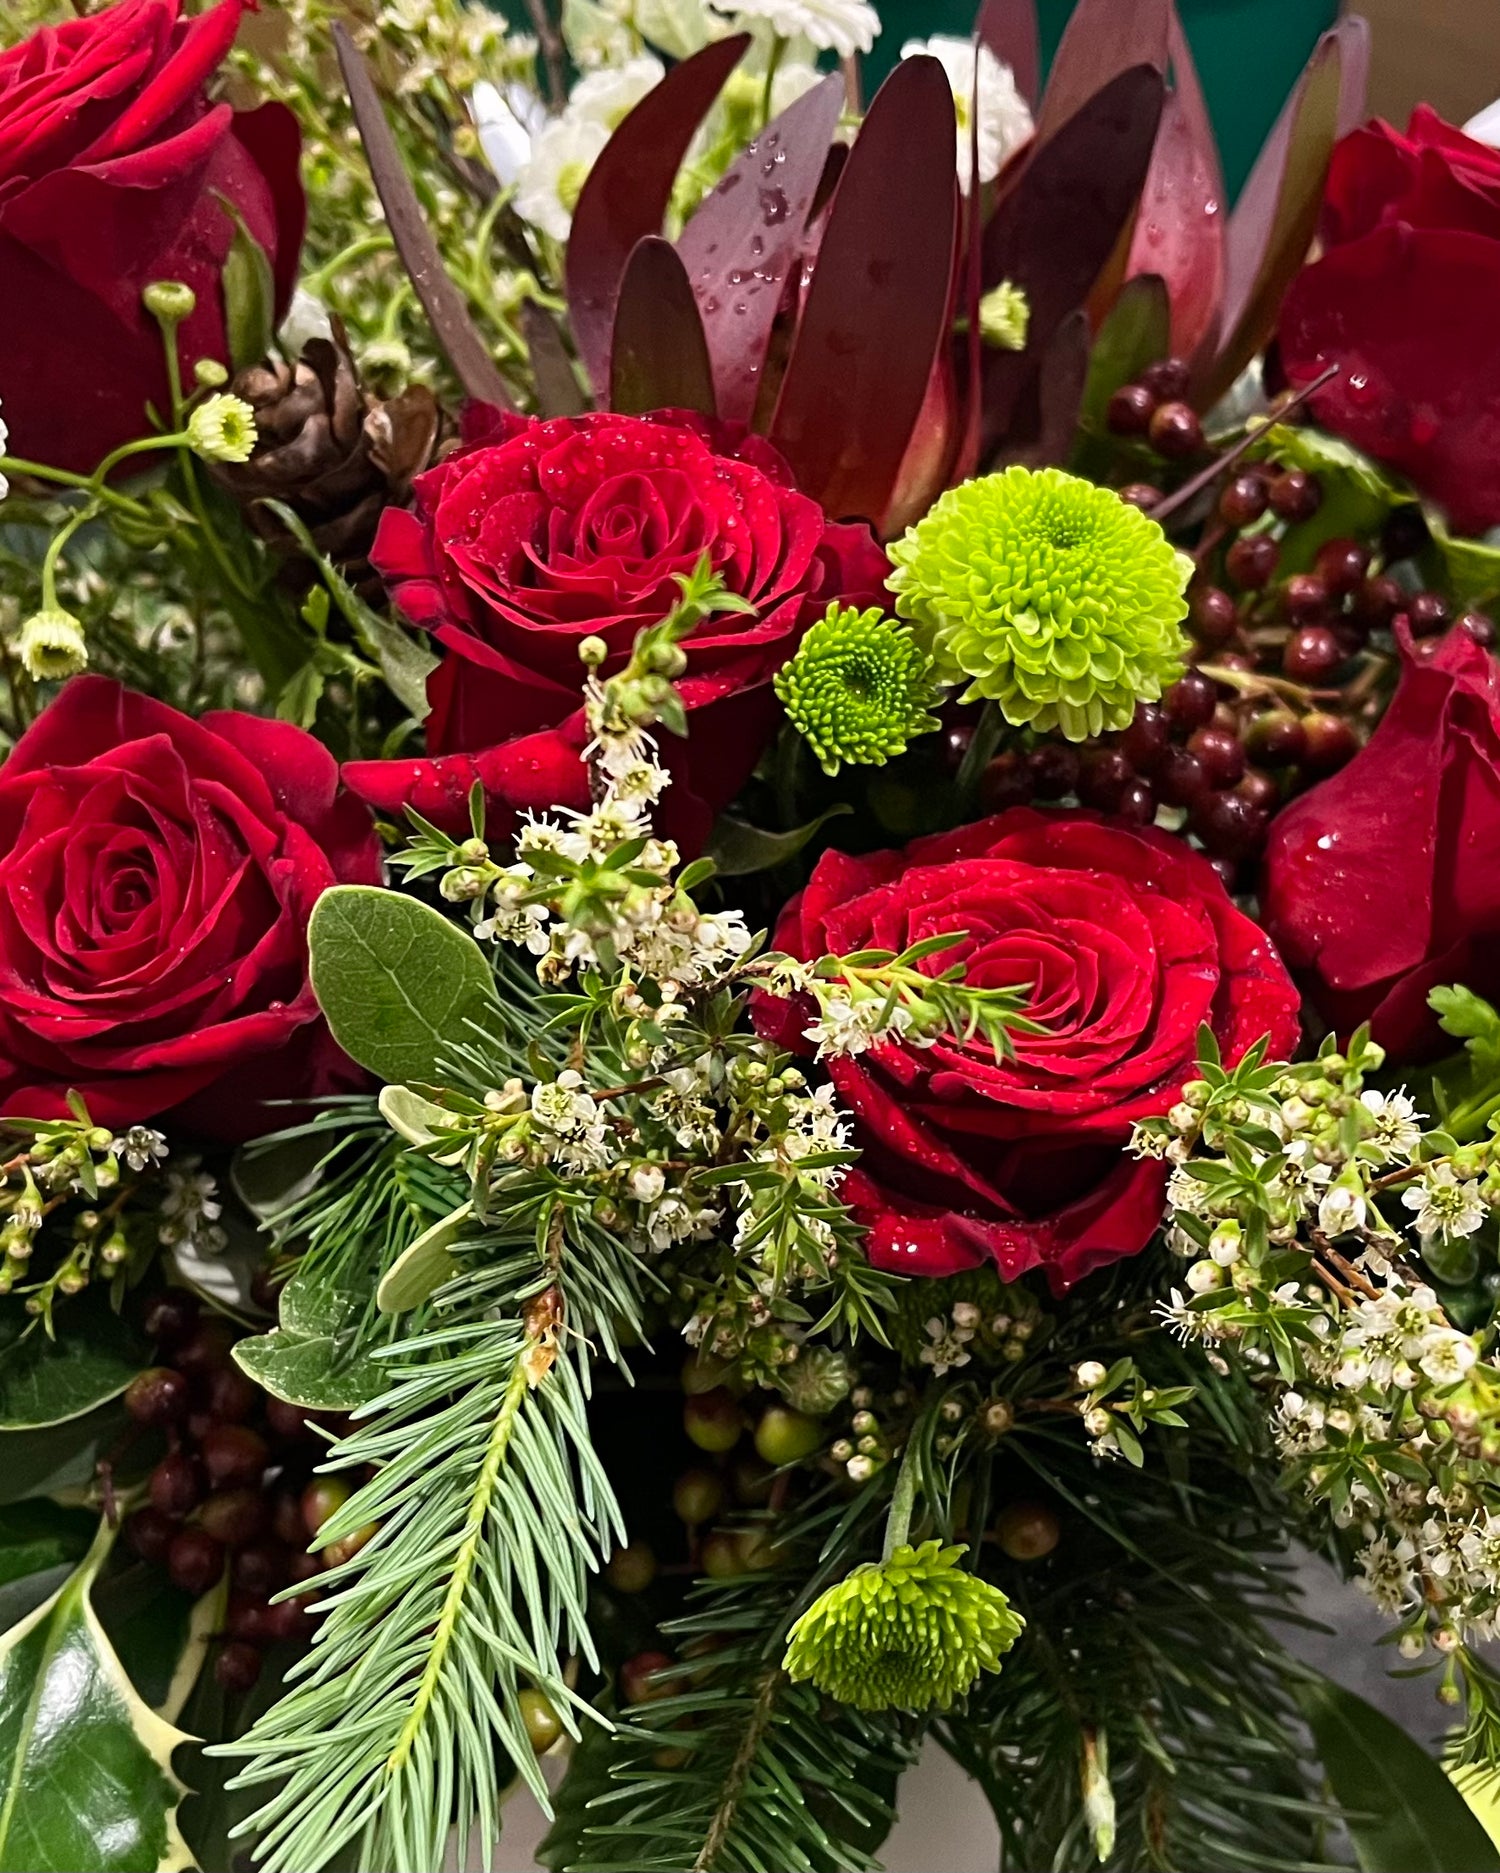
(190, 1209)
(846, 1027)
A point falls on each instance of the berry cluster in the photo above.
(1152, 410)
(235, 1486)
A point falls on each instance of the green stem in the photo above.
(318, 283)
(898, 1522)
(480, 1503)
(15, 465)
(143, 445)
(773, 65)
(54, 552)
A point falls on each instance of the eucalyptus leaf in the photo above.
(424, 1267)
(737, 849)
(272, 1173)
(45, 1381)
(88, 1765)
(1401, 1811)
(395, 978)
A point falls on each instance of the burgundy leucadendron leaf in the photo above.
(627, 191)
(746, 236)
(1052, 234)
(1274, 220)
(1179, 230)
(659, 358)
(1008, 28)
(1059, 395)
(878, 306)
(1103, 38)
(558, 391)
(441, 300)
(1354, 71)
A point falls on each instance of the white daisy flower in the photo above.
(1004, 119)
(841, 26)
(549, 186)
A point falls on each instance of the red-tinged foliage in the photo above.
(1102, 39)
(626, 195)
(878, 307)
(1009, 29)
(659, 357)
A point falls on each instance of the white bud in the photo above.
(1204, 1277)
(1182, 1117)
(965, 1314)
(1096, 1422)
(860, 1469)
(1224, 1244)
(647, 1182)
(1090, 1374)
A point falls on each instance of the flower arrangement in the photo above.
(748, 926)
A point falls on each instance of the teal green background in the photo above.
(1248, 54)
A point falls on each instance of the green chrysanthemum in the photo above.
(1058, 600)
(53, 646)
(910, 1633)
(858, 689)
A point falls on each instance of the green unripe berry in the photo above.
(785, 1436)
(631, 1569)
(713, 1421)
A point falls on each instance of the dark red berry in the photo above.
(231, 1395)
(1130, 410)
(1342, 565)
(1005, 782)
(1311, 653)
(1174, 430)
(1305, 597)
(1168, 377)
(169, 1317)
(1330, 743)
(636, 1675)
(1054, 770)
(245, 1618)
(1427, 612)
(1191, 701)
(1481, 628)
(1275, 739)
(150, 1533)
(1220, 753)
(1251, 560)
(286, 1519)
(288, 1423)
(176, 1484)
(234, 1454)
(290, 1619)
(1244, 499)
(1213, 616)
(1228, 824)
(302, 1565)
(1259, 789)
(1228, 870)
(157, 1396)
(260, 1568)
(233, 1516)
(1296, 495)
(1180, 778)
(323, 1497)
(1102, 776)
(194, 1560)
(1140, 494)
(237, 1667)
(1403, 535)
(1136, 804)
(1146, 740)
(208, 1348)
(265, 1287)
(1376, 601)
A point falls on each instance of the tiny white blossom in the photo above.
(1447, 1355)
(1396, 1129)
(1004, 119)
(139, 1147)
(1341, 1210)
(948, 1348)
(1386, 1573)
(1445, 1206)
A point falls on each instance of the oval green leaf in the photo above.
(397, 981)
(425, 1266)
(47, 1381)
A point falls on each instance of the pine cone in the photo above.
(331, 451)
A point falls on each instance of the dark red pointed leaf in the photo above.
(1179, 229)
(878, 306)
(1056, 229)
(1008, 28)
(1059, 397)
(1103, 39)
(446, 309)
(558, 391)
(1274, 220)
(1354, 71)
(659, 356)
(746, 237)
(627, 191)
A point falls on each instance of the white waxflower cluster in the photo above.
(190, 1209)
(846, 1027)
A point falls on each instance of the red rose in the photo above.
(520, 548)
(1403, 301)
(156, 878)
(1385, 880)
(115, 171)
(1128, 940)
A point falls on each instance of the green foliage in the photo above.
(1401, 1810)
(46, 1379)
(72, 1724)
(396, 979)
(313, 1357)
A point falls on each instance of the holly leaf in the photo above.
(397, 981)
(1400, 1809)
(45, 1381)
(72, 1722)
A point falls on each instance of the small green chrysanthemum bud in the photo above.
(210, 373)
(53, 646)
(816, 1382)
(858, 689)
(1004, 315)
(1058, 600)
(223, 430)
(170, 301)
(909, 1633)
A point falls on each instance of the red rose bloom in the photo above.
(1128, 940)
(156, 878)
(115, 171)
(1403, 301)
(520, 548)
(1384, 881)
